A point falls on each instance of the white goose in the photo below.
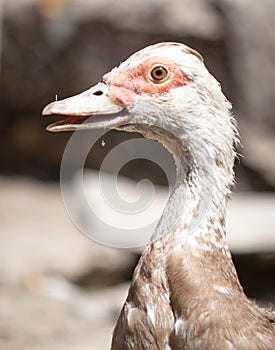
(185, 293)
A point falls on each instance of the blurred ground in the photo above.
(60, 290)
(29, 322)
(54, 281)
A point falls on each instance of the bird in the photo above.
(185, 292)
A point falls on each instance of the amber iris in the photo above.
(159, 74)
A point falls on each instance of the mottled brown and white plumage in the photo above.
(185, 293)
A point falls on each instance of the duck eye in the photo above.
(159, 74)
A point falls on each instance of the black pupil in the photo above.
(159, 72)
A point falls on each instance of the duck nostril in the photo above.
(98, 93)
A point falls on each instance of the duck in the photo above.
(185, 292)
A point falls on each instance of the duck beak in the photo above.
(92, 109)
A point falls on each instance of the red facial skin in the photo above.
(138, 80)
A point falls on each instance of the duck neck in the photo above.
(191, 232)
(204, 177)
(196, 208)
(190, 239)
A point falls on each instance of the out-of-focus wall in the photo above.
(63, 46)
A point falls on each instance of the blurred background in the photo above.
(58, 289)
